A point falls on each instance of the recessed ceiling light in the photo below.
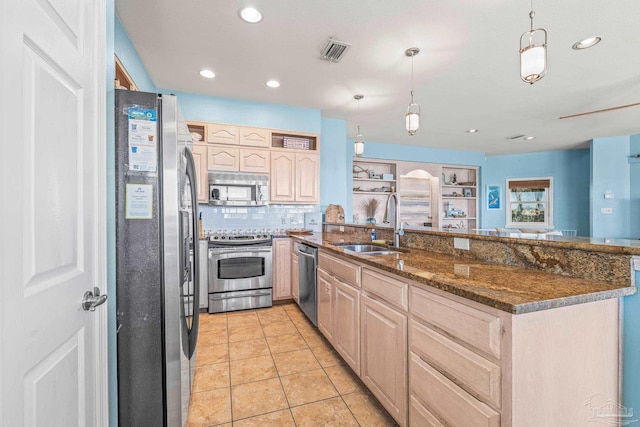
(250, 15)
(587, 43)
(207, 73)
(472, 131)
(529, 138)
(273, 83)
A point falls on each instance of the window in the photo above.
(530, 203)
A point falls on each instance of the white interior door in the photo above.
(52, 225)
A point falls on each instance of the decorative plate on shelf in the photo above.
(299, 231)
(196, 136)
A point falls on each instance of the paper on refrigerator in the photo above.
(143, 139)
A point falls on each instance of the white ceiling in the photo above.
(466, 75)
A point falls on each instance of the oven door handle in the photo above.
(261, 294)
(241, 250)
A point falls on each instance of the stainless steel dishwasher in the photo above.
(307, 269)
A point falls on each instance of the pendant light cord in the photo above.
(412, 78)
(531, 15)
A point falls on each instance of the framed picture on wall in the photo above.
(494, 197)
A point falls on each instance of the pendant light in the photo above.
(358, 144)
(412, 117)
(533, 53)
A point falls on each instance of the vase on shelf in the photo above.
(371, 220)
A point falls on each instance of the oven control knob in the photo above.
(216, 237)
(223, 237)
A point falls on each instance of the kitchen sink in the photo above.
(365, 249)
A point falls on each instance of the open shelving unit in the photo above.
(459, 195)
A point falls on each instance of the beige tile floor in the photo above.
(271, 367)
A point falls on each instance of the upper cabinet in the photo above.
(254, 137)
(291, 159)
(295, 177)
(223, 134)
(200, 160)
(307, 178)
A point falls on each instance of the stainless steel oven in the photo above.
(240, 273)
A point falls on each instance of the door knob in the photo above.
(90, 300)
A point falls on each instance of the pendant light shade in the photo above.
(533, 53)
(412, 118)
(358, 144)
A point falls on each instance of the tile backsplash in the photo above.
(272, 217)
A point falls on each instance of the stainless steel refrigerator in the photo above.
(157, 260)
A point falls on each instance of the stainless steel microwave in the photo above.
(238, 189)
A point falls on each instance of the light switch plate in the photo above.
(606, 211)
(459, 243)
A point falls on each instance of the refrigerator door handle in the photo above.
(191, 174)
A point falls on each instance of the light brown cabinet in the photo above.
(473, 365)
(202, 173)
(221, 158)
(383, 363)
(295, 276)
(255, 137)
(254, 161)
(223, 134)
(307, 178)
(346, 313)
(282, 268)
(295, 177)
(325, 304)
(232, 159)
(283, 177)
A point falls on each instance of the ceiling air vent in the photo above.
(516, 136)
(334, 50)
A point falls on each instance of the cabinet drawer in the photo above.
(448, 401)
(473, 372)
(475, 327)
(419, 416)
(387, 288)
(344, 270)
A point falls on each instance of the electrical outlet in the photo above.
(608, 194)
(459, 243)
(606, 211)
(342, 228)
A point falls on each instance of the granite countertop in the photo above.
(608, 245)
(511, 289)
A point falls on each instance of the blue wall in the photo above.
(610, 171)
(333, 159)
(570, 172)
(128, 56)
(634, 190)
(247, 113)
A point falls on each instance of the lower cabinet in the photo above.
(346, 334)
(281, 268)
(445, 397)
(383, 362)
(325, 304)
(295, 276)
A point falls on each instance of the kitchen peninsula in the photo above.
(511, 332)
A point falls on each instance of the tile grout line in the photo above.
(280, 379)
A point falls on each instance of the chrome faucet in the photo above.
(397, 224)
